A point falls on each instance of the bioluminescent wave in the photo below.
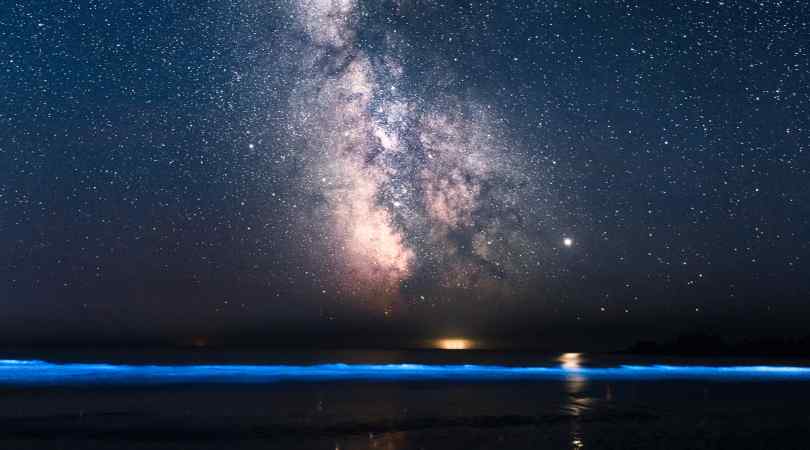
(14, 372)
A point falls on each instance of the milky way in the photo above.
(492, 166)
(412, 188)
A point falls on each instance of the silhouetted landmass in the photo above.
(699, 344)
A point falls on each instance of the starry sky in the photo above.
(243, 170)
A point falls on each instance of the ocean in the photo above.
(410, 399)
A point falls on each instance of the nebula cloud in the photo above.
(411, 191)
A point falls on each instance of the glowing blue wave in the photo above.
(16, 372)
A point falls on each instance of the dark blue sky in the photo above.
(217, 168)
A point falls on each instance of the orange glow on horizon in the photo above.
(454, 344)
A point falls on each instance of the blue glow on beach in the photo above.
(33, 372)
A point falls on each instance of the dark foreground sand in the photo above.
(394, 415)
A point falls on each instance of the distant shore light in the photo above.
(454, 344)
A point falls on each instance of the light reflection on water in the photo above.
(577, 402)
(571, 361)
(575, 384)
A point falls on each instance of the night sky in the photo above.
(243, 170)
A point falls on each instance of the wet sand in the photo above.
(574, 413)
